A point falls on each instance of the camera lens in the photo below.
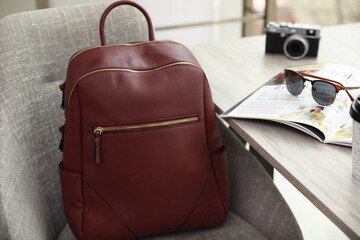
(296, 46)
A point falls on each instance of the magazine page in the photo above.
(342, 134)
(273, 102)
(312, 131)
(348, 76)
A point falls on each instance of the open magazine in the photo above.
(329, 124)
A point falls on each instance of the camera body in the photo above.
(294, 40)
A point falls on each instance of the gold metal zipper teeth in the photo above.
(126, 70)
(121, 44)
(100, 130)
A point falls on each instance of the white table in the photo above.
(322, 172)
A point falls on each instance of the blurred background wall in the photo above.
(199, 21)
(12, 6)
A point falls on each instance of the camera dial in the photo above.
(296, 46)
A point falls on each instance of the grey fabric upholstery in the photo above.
(66, 234)
(34, 50)
(234, 227)
(253, 195)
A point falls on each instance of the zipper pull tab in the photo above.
(97, 139)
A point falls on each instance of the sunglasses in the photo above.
(323, 90)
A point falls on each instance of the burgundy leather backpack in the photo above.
(142, 153)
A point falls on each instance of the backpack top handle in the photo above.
(115, 4)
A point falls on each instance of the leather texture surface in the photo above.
(141, 181)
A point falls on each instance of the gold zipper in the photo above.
(126, 70)
(98, 131)
(121, 44)
(101, 130)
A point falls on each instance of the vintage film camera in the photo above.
(294, 40)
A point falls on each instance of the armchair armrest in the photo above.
(253, 195)
(23, 213)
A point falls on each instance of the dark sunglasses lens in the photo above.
(324, 93)
(294, 83)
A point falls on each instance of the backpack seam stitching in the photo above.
(111, 207)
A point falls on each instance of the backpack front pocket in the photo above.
(151, 173)
(99, 131)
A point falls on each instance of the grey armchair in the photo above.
(34, 50)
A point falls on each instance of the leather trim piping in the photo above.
(207, 143)
(206, 135)
(122, 44)
(122, 221)
(220, 151)
(67, 171)
(192, 210)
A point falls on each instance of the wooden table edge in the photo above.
(234, 123)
